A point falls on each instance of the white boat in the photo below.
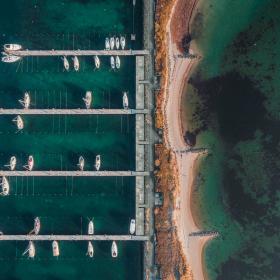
(81, 163)
(114, 249)
(132, 226)
(10, 58)
(30, 250)
(76, 63)
(125, 100)
(117, 43)
(19, 121)
(30, 163)
(96, 61)
(12, 163)
(118, 62)
(12, 47)
(112, 43)
(90, 227)
(37, 225)
(112, 61)
(5, 186)
(107, 44)
(55, 248)
(97, 162)
(65, 63)
(122, 42)
(88, 99)
(25, 102)
(90, 250)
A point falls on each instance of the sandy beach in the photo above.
(179, 70)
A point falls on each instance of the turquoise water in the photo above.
(66, 204)
(235, 98)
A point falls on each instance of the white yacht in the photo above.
(76, 63)
(19, 121)
(114, 249)
(96, 61)
(30, 250)
(118, 62)
(117, 43)
(132, 226)
(107, 44)
(88, 99)
(66, 63)
(97, 162)
(37, 225)
(122, 42)
(12, 47)
(112, 61)
(10, 58)
(125, 100)
(25, 102)
(55, 248)
(30, 163)
(90, 227)
(90, 250)
(5, 186)
(112, 43)
(81, 163)
(12, 163)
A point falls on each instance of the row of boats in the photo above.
(10, 58)
(115, 42)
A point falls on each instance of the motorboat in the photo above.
(114, 249)
(90, 250)
(30, 163)
(76, 63)
(125, 100)
(112, 61)
(118, 62)
(65, 63)
(88, 99)
(122, 42)
(19, 121)
(37, 225)
(5, 186)
(90, 227)
(107, 44)
(81, 163)
(117, 43)
(112, 43)
(132, 226)
(25, 102)
(55, 248)
(97, 162)
(96, 61)
(10, 58)
(12, 163)
(12, 47)
(30, 250)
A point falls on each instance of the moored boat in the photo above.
(107, 44)
(12, 47)
(97, 162)
(118, 62)
(30, 250)
(10, 58)
(76, 63)
(114, 249)
(81, 163)
(132, 226)
(25, 102)
(5, 186)
(96, 61)
(112, 43)
(30, 163)
(122, 42)
(55, 248)
(88, 99)
(90, 227)
(117, 43)
(19, 122)
(12, 163)
(90, 250)
(65, 63)
(125, 100)
(37, 225)
(112, 61)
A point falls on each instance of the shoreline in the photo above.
(178, 72)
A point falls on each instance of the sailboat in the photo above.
(118, 62)
(12, 163)
(81, 163)
(114, 249)
(5, 186)
(25, 102)
(10, 58)
(55, 248)
(30, 250)
(30, 163)
(112, 43)
(76, 63)
(125, 100)
(112, 61)
(96, 61)
(90, 250)
(107, 44)
(90, 227)
(97, 162)
(12, 47)
(19, 121)
(65, 63)
(117, 43)
(88, 99)
(122, 42)
(37, 225)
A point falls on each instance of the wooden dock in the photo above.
(73, 237)
(78, 52)
(72, 111)
(73, 173)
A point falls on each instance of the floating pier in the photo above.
(77, 52)
(73, 173)
(73, 237)
(72, 111)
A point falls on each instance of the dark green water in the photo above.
(236, 104)
(56, 142)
